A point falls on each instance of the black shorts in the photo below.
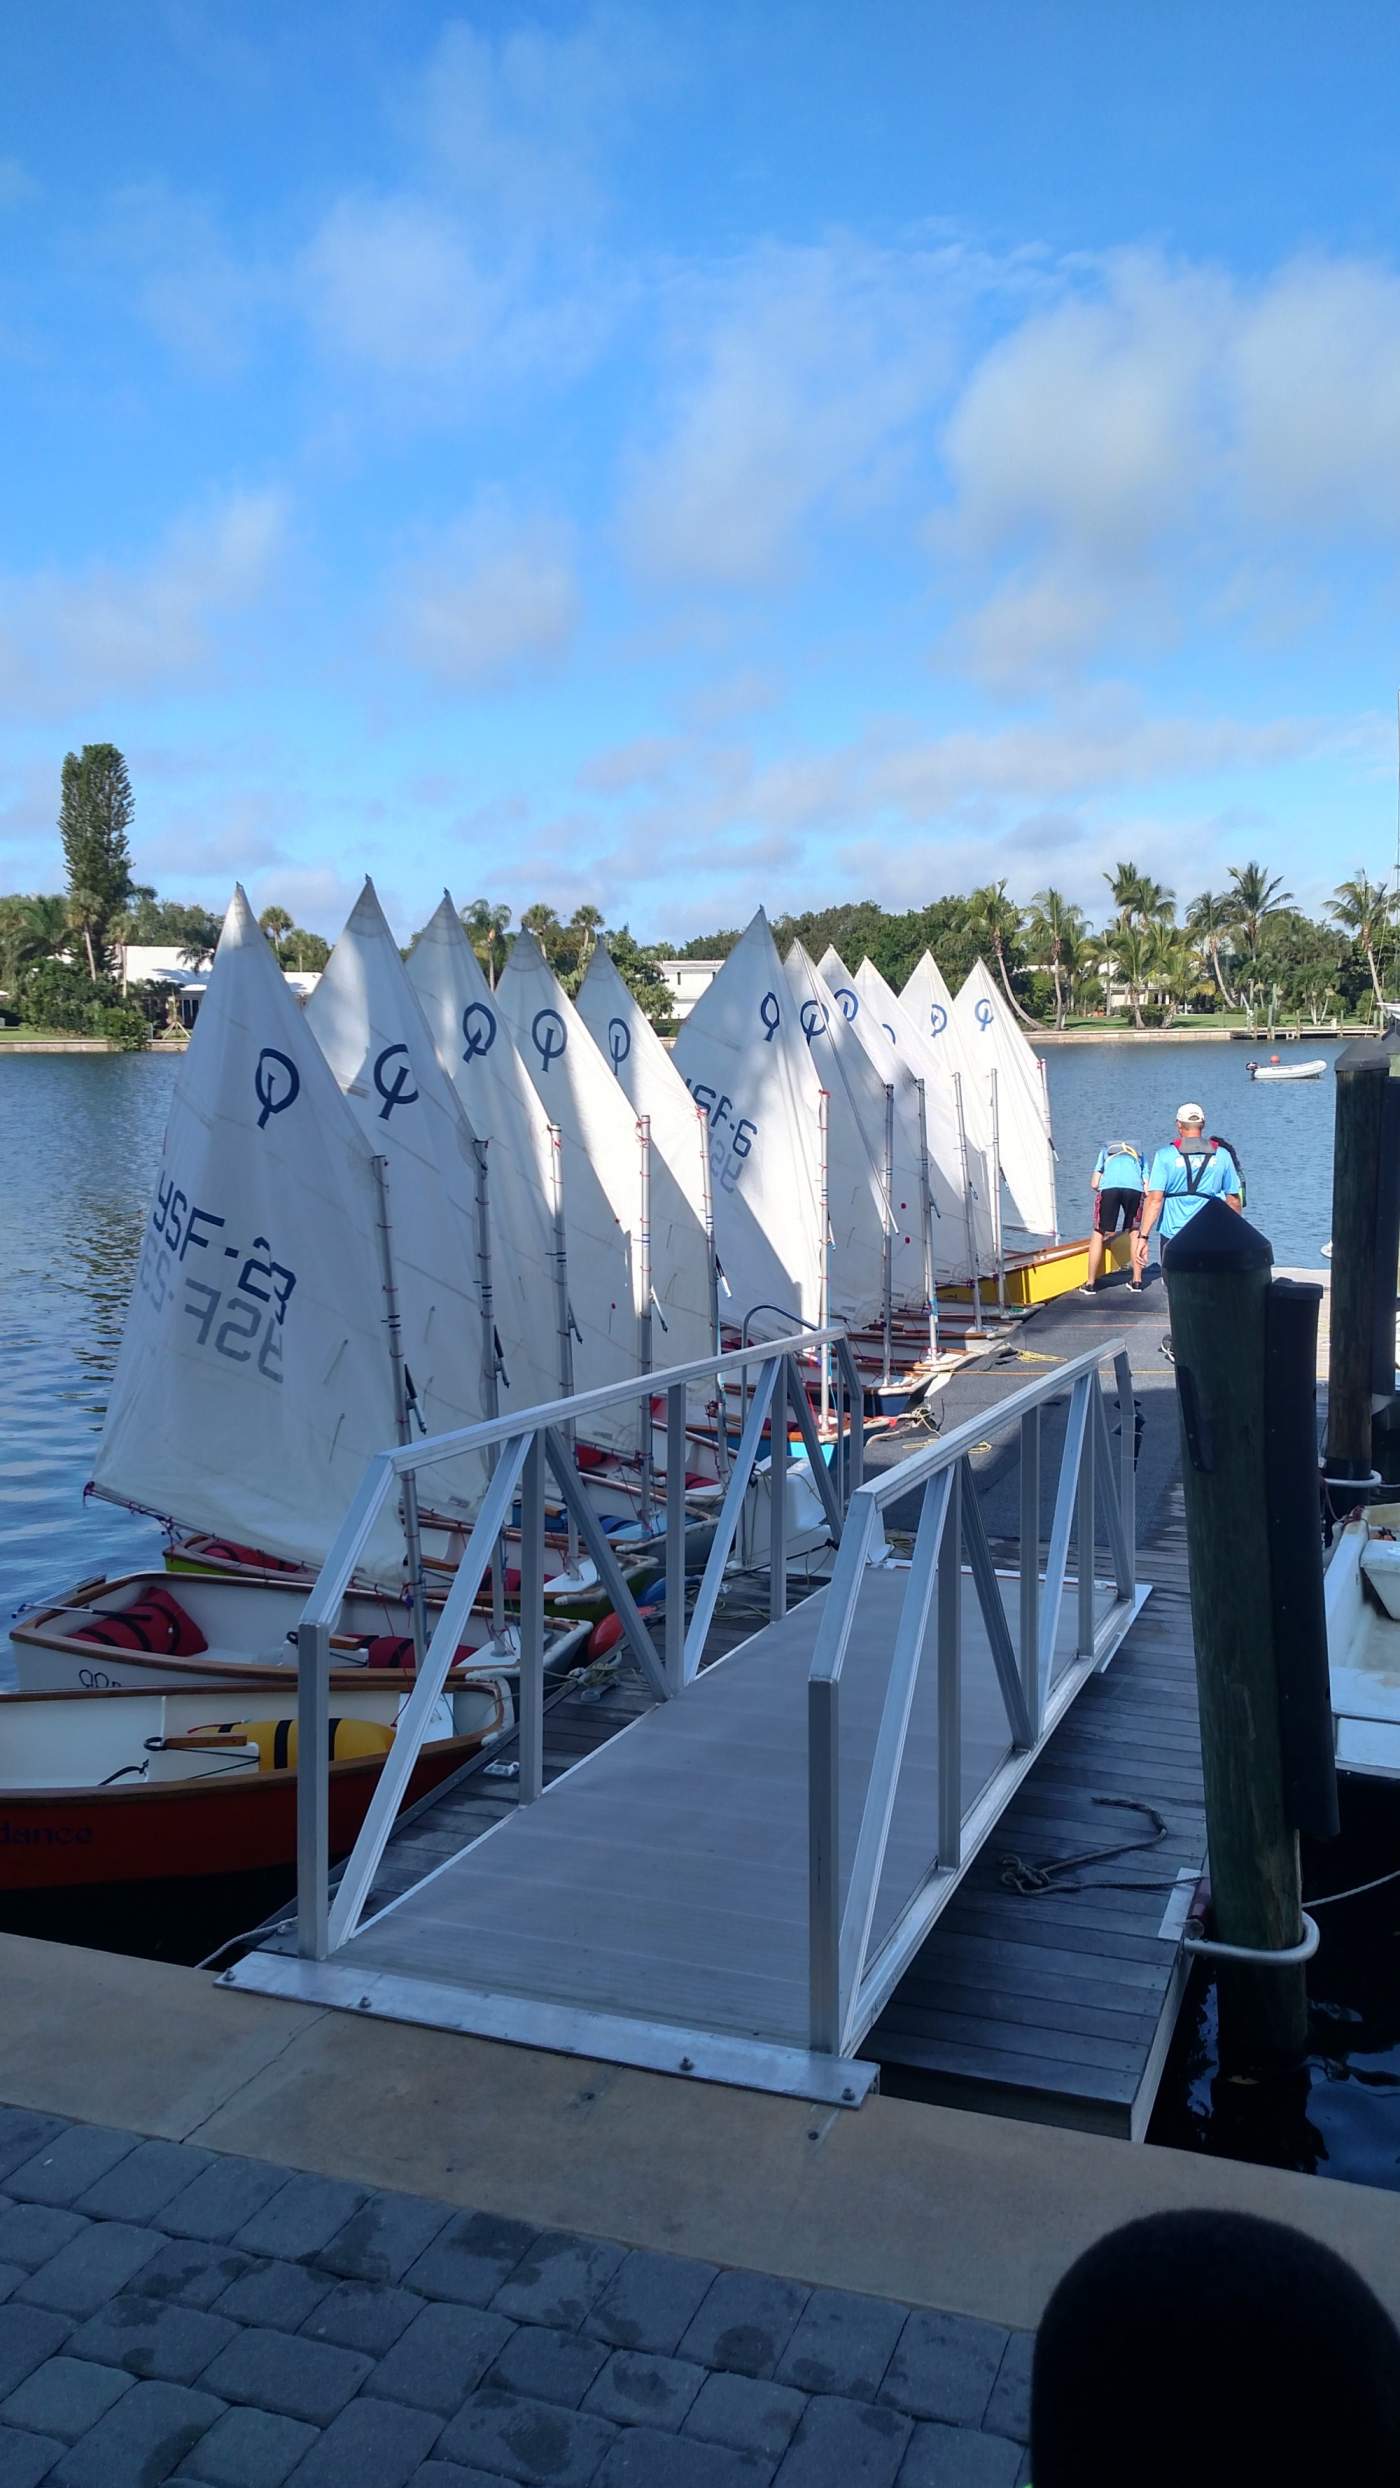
(1115, 1207)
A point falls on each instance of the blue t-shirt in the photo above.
(1119, 1167)
(1218, 1175)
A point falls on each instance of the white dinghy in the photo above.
(978, 1245)
(1275, 1070)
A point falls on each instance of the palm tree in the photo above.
(1126, 950)
(1171, 966)
(542, 921)
(1256, 895)
(1055, 929)
(276, 924)
(1125, 884)
(996, 920)
(1210, 918)
(587, 922)
(485, 922)
(1363, 908)
(31, 929)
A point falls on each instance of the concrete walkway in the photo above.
(173, 2313)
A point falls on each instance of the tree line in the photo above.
(1244, 948)
(1247, 947)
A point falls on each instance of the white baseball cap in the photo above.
(1191, 1114)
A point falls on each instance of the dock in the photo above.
(662, 1889)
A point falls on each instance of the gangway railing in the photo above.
(851, 1981)
(529, 1445)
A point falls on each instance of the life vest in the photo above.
(247, 1558)
(1198, 1154)
(396, 1651)
(156, 1622)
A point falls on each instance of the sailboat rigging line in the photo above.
(568, 1328)
(408, 1483)
(824, 1224)
(492, 1365)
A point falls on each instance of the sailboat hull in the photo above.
(1038, 1278)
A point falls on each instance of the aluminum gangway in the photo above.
(732, 1887)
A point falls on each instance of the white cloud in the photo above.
(394, 282)
(1314, 379)
(68, 638)
(202, 299)
(520, 122)
(799, 375)
(496, 597)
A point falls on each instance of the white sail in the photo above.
(993, 1041)
(603, 1182)
(860, 1123)
(367, 1021)
(926, 1146)
(253, 1382)
(501, 1106)
(969, 1169)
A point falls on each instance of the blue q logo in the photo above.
(276, 1083)
(815, 1018)
(983, 1014)
(479, 1029)
(550, 1036)
(400, 1091)
(770, 1015)
(938, 1018)
(619, 1042)
(850, 1002)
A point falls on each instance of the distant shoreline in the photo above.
(1188, 1033)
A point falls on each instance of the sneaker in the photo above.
(1135, 1287)
(1168, 1350)
(1088, 1288)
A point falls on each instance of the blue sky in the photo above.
(681, 458)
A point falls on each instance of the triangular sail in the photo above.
(488, 1076)
(603, 1179)
(956, 1148)
(743, 1058)
(1026, 1150)
(253, 1382)
(860, 1125)
(367, 1021)
(926, 1140)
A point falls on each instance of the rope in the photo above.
(1327, 1898)
(1032, 1877)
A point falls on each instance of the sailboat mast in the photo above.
(490, 1368)
(644, 1342)
(563, 1314)
(972, 1270)
(926, 1219)
(888, 1272)
(996, 1191)
(707, 1211)
(393, 1327)
(824, 1230)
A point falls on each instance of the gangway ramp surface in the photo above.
(651, 1907)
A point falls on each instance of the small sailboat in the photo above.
(104, 1791)
(1273, 1069)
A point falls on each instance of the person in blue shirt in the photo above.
(1117, 1184)
(1183, 1176)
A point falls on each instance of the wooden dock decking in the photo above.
(1060, 2007)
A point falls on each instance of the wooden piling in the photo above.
(1363, 1071)
(1218, 1278)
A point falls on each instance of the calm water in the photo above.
(1282, 1130)
(79, 1140)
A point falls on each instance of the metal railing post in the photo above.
(313, 1790)
(777, 1493)
(823, 1865)
(949, 1827)
(1029, 1619)
(1127, 1461)
(531, 1679)
(1084, 1532)
(675, 1537)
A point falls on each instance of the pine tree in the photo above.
(95, 813)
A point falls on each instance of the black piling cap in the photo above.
(1370, 1053)
(1217, 1238)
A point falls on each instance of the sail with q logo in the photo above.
(252, 1383)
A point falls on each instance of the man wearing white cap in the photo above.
(1188, 1172)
